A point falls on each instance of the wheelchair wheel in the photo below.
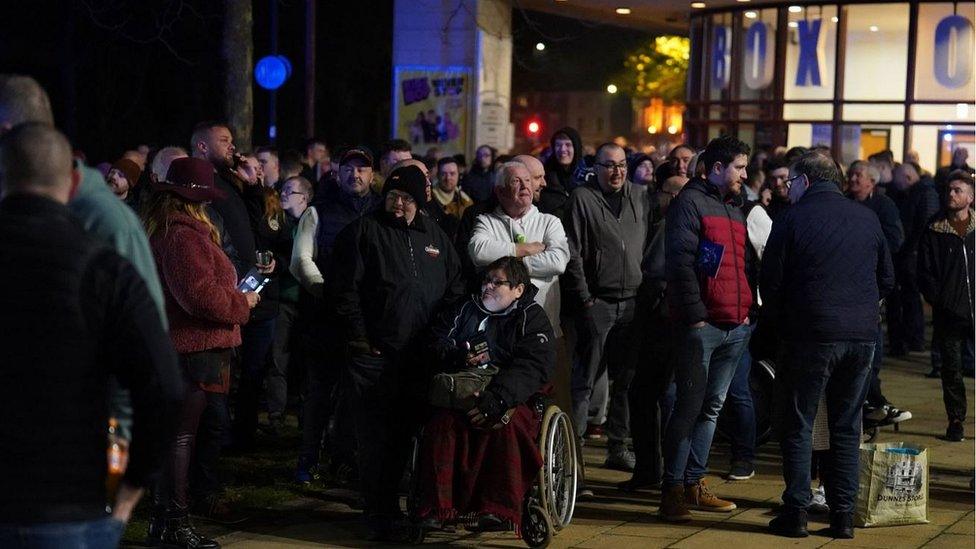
(559, 476)
(537, 530)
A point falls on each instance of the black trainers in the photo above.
(955, 432)
(790, 525)
(935, 373)
(841, 526)
(180, 532)
(741, 470)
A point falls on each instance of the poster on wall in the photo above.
(432, 107)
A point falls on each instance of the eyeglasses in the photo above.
(287, 194)
(395, 196)
(496, 282)
(610, 166)
(789, 181)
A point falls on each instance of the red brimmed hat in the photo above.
(192, 179)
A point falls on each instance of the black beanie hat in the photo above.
(408, 179)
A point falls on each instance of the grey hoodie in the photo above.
(606, 252)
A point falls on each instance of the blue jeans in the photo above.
(739, 405)
(706, 359)
(838, 370)
(103, 533)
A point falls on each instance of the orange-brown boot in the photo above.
(700, 498)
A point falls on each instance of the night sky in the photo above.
(125, 72)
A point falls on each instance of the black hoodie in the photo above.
(560, 181)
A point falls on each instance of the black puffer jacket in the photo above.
(520, 344)
(946, 270)
(389, 279)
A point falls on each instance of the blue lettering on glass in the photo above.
(758, 66)
(808, 64)
(721, 56)
(953, 62)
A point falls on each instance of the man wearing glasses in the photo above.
(825, 269)
(607, 227)
(709, 297)
(392, 271)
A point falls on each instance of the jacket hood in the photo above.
(574, 136)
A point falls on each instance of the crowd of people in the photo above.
(199, 294)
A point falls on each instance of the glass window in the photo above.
(757, 49)
(874, 112)
(944, 53)
(808, 111)
(876, 52)
(720, 55)
(955, 112)
(861, 141)
(934, 144)
(811, 53)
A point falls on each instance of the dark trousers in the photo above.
(213, 434)
(906, 322)
(386, 415)
(838, 370)
(953, 338)
(872, 388)
(282, 358)
(257, 336)
(599, 323)
(323, 364)
(173, 492)
(739, 405)
(654, 369)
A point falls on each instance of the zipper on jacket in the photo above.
(413, 260)
(735, 261)
(965, 264)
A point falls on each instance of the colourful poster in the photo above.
(432, 108)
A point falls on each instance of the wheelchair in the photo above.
(548, 506)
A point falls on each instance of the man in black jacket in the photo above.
(392, 271)
(917, 202)
(73, 313)
(824, 271)
(945, 277)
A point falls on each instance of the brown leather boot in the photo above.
(699, 497)
(673, 506)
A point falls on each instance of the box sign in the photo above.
(952, 65)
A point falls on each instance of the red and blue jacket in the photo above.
(705, 257)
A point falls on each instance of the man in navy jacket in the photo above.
(826, 267)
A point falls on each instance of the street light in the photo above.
(612, 88)
(540, 46)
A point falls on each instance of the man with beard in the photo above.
(777, 172)
(392, 271)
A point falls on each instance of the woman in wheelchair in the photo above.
(479, 454)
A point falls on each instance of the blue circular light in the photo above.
(271, 71)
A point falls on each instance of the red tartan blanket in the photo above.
(466, 470)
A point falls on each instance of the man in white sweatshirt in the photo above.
(517, 228)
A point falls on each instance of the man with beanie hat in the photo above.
(392, 271)
(122, 177)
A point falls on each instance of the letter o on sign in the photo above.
(953, 62)
(757, 71)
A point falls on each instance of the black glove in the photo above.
(492, 406)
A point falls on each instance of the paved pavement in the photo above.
(615, 520)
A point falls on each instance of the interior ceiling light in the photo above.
(873, 28)
(623, 11)
(742, 1)
(697, 5)
(750, 15)
(834, 19)
(795, 9)
(793, 24)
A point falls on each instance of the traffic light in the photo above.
(533, 128)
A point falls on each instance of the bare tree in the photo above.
(238, 54)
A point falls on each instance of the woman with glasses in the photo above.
(482, 456)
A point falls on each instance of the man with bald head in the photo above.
(75, 313)
(607, 225)
(537, 172)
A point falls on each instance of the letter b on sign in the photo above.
(721, 57)
(953, 62)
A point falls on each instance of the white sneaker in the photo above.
(818, 503)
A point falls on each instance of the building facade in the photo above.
(859, 77)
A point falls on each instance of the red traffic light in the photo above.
(533, 127)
